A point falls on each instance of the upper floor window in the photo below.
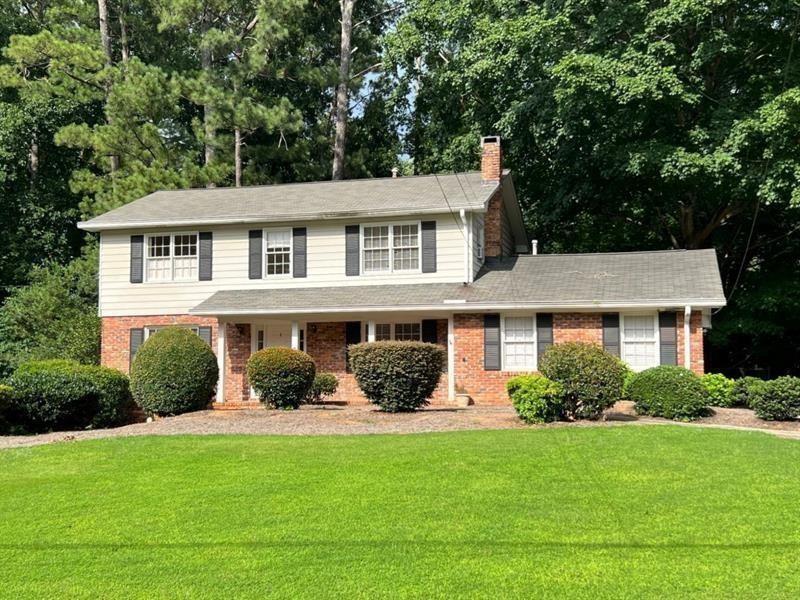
(640, 341)
(172, 257)
(388, 248)
(278, 250)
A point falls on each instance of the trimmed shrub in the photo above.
(116, 403)
(719, 389)
(282, 377)
(173, 372)
(746, 390)
(536, 398)
(592, 378)
(670, 392)
(5, 406)
(397, 376)
(324, 385)
(52, 397)
(779, 400)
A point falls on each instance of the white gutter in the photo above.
(467, 223)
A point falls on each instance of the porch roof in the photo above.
(542, 282)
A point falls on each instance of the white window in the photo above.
(171, 257)
(519, 343)
(407, 332)
(640, 341)
(383, 332)
(278, 250)
(148, 331)
(387, 249)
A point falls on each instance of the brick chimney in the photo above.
(491, 158)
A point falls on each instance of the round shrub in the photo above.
(536, 398)
(173, 372)
(397, 376)
(115, 403)
(282, 377)
(592, 378)
(746, 390)
(52, 398)
(324, 385)
(779, 400)
(719, 389)
(670, 392)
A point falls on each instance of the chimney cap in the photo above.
(490, 139)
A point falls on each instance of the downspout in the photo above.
(687, 341)
(221, 360)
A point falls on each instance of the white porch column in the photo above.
(221, 361)
(687, 337)
(451, 360)
(370, 331)
(295, 335)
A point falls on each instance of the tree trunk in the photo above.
(342, 97)
(208, 113)
(105, 40)
(33, 159)
(123, 33)
(237, 155)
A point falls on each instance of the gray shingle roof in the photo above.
(544, 281)
(300, 201)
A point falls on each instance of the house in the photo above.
(437, 258)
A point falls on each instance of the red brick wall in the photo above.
(578, 327)
(695, 340)
(491, 161)
(115, 340)
(493, 224)
(237, 351)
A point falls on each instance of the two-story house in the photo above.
(437, 258)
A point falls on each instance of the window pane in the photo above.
(641, 355)
(158, 246)
(407, 332)
(640, 328)
(383, 331)
(186, 245)
(406, 247)
(158, 269)
(376, 249)
(278, 252)
(639, 342)
(518, 346)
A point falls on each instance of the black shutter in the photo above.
(256, 240)
(352, 335)
(136, 340)
(668, 332)
(430, 331)
(352, 244)
(205, 253)
(137, 258)
(299, 236)
(429, 246)
(544, 333)
(205, 334)
(611, 333)
(491, 342)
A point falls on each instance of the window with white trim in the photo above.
(519, 343)
(171, 257)
(148, 331)
(383, 332)
(278, 251)
(407, 332)
(640, 341)
(390, 248)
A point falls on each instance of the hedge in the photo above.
(282, 377)
(719, 389)
(173, 372)
(669, 391)
(397, 376)
(536, 398)
(746, 391)
(324, 385)
(779, 400)
(592, 378)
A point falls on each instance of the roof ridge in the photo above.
(615, 253)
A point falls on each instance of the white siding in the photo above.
(325, 264)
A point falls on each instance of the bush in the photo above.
(536, 398)
(325, 384)
(592, 378)
(719, 389)
(173, 372)
(5, 406)
(669, 391)
(397, 376)
(779, 400)
(52, 397)
(282, 377)
(746, 390)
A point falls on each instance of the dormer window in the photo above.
(390, 248)
(172, 257)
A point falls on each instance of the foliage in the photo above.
(52, 396)
(746, 390)
(592, 378)
(536, 398)
(324, 385)
(397, 376)
(173, 372)
(719, 389)
(779, 400)
(282, 377)
(5, 404)
(670, 392)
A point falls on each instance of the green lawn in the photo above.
(574, 512)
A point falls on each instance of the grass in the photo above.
(571, 512)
